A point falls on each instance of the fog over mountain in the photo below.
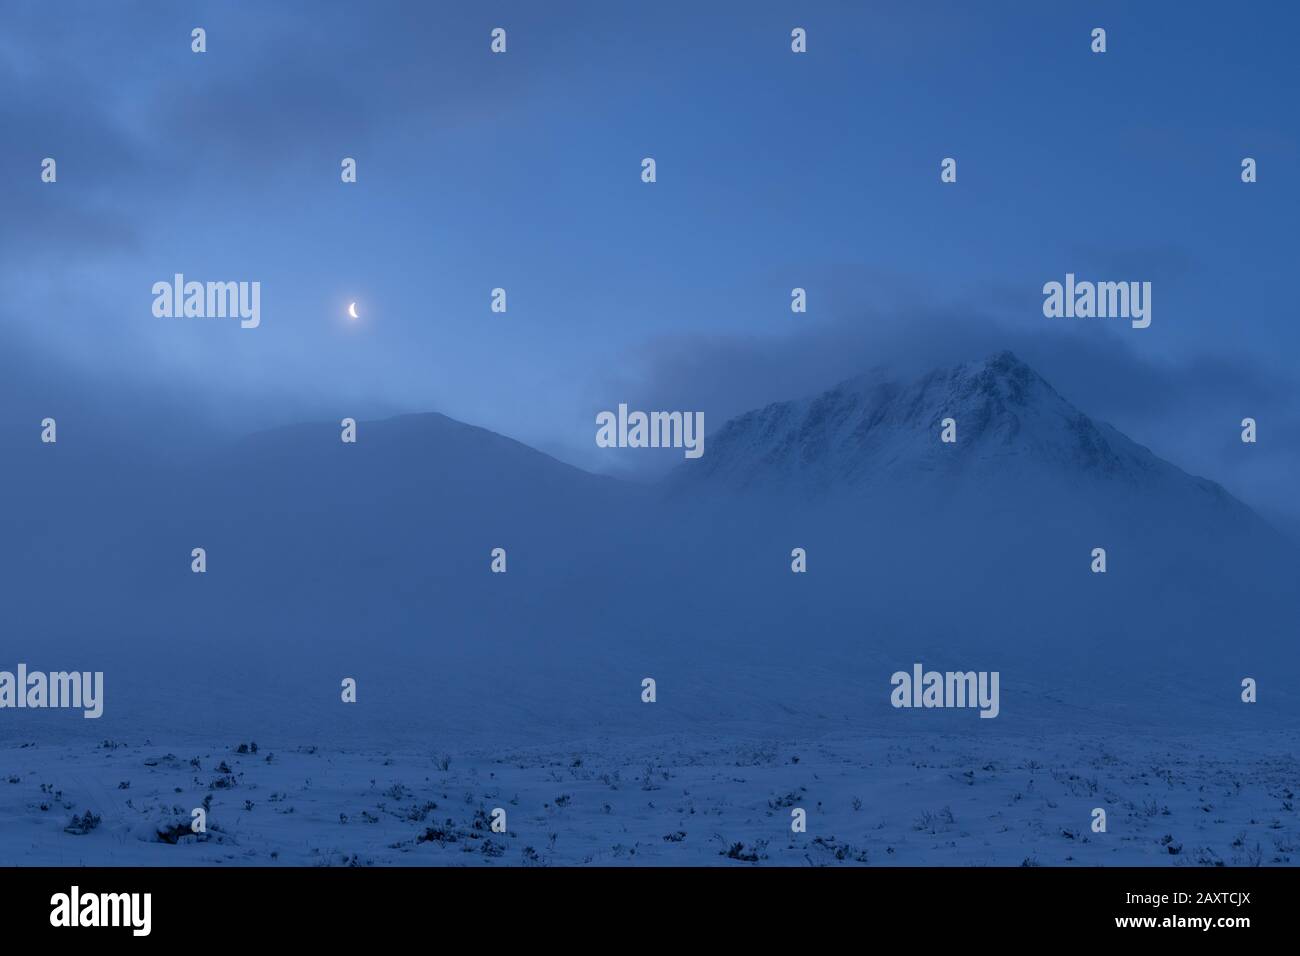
(1009, 425)
(371, 560)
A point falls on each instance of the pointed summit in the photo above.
(1011, 427)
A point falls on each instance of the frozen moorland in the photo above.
(914, 800)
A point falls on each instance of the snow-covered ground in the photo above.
(921, 799)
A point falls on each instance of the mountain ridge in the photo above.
(836, 437)
(1008, 420)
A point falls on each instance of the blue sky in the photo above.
(774, 170)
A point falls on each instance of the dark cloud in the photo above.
(167, 158)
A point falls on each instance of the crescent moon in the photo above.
(352, 311)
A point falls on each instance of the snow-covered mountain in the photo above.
(1010, 426)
